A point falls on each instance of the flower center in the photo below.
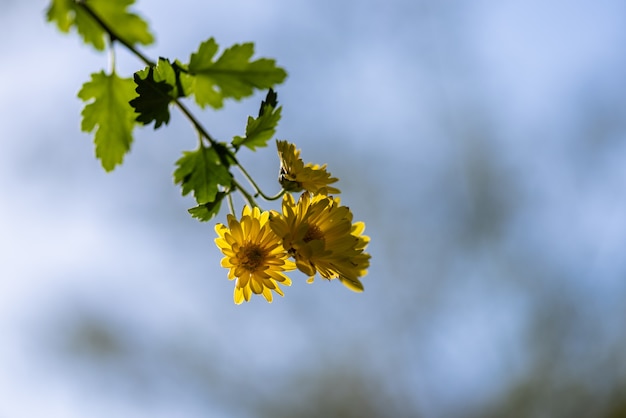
(251, 257)
(313, 233)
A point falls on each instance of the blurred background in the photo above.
(482, 142)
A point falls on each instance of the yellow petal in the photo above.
(354, 285)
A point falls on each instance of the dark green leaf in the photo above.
(154, 98)
(128, 26)
(158, 86)
(232, 75)
(270, 99)
(207, 211)
(109, 113)
(201, 172)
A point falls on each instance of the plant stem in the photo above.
(114, 37)
(245, 193)
(223, 152)
(195, 123)
(111, 55)
(112, 33)
(230, 204)
(257, 188)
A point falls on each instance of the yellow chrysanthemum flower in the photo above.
(296, 176)
(318, 232)
(254, 254)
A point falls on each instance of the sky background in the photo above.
(483, 143)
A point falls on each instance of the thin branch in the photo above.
(259, 192)
(115, 37)
(111, 55)
(195, 123)
(245, 193)
(112, 34)
(230, 204)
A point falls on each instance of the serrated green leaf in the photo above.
(154, 98)
(109, 113)
(232, 75)
(165, 71)
(128, 26)
(201, 172)
(259, 130)
(157, 87)
(183, 84)
(271, 98)
(207, 211)
(61, 12)
(204, 56)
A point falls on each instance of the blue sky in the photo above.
(482, 143)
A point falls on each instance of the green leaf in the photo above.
(109, 113)
(200, 172)
(127, 26)
(207, 211)
(62, 12)
(262, 129)
(271, 98)
(232, 75)
(182, 83)
(157, 87)
(155, 95)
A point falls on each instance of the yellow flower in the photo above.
(296, 176)
(254, 254)
(318, 232)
